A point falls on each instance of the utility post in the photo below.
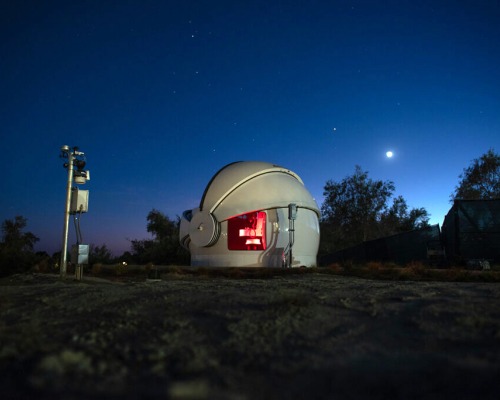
(66, 153)
(73, 156)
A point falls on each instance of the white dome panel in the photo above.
(266, 191)
(232, 176)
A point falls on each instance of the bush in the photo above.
(335, 267)
(374, 266)
(416, 267)
(120, 268)
(96, 268)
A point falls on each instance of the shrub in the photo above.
(42, 266)
(416, 267)
(347, 265)
(374, 266)
(120, 268)
(96, 268)
(335, 267)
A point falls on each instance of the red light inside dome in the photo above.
(247, 231)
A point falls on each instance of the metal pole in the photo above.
(292, 215)
(64, 254)
(291, 239)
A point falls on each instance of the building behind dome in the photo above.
(253, 214)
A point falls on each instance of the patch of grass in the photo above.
(235, 272)
(413, 271)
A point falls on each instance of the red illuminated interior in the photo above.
(247, 231)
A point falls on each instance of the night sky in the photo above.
(161, 94)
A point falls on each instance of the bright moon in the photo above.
(389, 154)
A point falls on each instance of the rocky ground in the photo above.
(308, 336)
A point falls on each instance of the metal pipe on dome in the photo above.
(292, 216)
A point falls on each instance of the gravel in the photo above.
(308, 336)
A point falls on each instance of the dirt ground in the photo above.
(308, 336)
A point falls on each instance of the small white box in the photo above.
(80, 254)
(79, 201)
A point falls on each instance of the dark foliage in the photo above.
(164, 248)
(16, 247)
(100, 254)
(356, 209)
(481, 180)
(398, 218)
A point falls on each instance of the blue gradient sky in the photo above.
(162, 94)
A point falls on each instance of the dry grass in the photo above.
(374, 266)
(413, 271)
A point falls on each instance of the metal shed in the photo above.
(471, 231)
(253, 214)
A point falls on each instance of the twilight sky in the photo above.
(161, 94)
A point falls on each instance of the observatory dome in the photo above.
(252, 214)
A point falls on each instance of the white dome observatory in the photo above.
(253, 214)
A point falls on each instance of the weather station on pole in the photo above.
(76, 204)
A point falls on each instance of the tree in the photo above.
(481, 180)
(16, 247)
(398, 219)
(13, 236)
(352, 207)
(164, 248)
(143, 251)
(100, 254)
(356, 209)
(160, 226)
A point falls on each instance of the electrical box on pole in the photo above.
(79, 257)
(80, 254)
(79, 201)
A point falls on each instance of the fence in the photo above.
(401, 248)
